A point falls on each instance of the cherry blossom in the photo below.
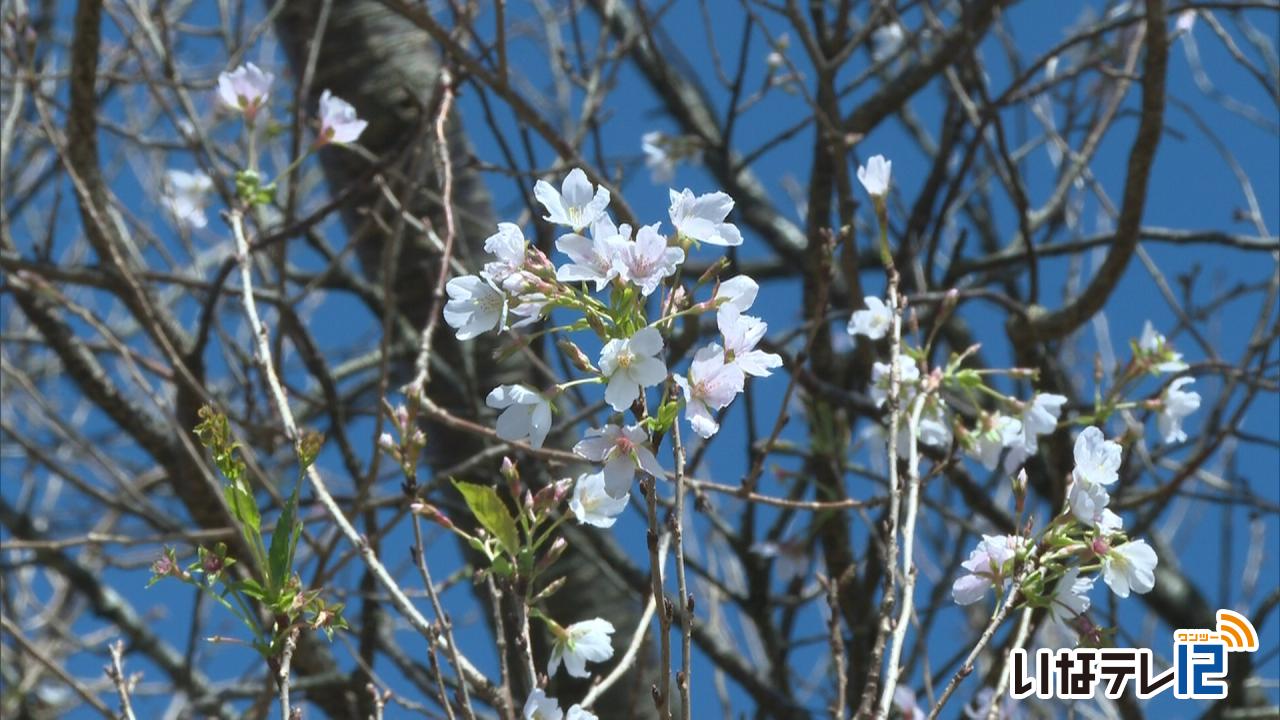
(711, 385)
(574, 205)
(1040, 418)
(1097, 459)
(874, 321)
(662, 166)
(580, 643)
(541, 707)
(908, 375)
(1070, 600)
(989, 565)
(631, 365)
(594, 259)
(508, 246)
(245, 89)
(577, 713)
(933, 431)
(1130, 566)
(525, 414)
(475, 306)
(1003, 432)
(623, 450)
(738, 291)
(592, 503)
(875, 176)
(701, 218)
(886, 41)
(338, 120)
(647, 260)
(528, 308)
(1177, 404)
(184, 196)
(1186, 21)
(1154, 345)
(741, 335)
(904, 699)
(1088, 503)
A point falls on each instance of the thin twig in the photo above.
(115, 671)
(633, 648)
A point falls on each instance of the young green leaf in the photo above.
(491, 513)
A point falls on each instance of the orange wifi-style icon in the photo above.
(1237, 632)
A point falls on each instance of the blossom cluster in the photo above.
(520, 285)
(1086, 537)
(245, 91)
(1054, 571)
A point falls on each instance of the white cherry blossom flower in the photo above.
(989, 565)
(1070, 600)
(645, 261)
(184, 196)
(934, 431)
(1097, 459)
(245, 89)
(574, 205)
(508, 246)
(662, 166)
(908, 375)
(701, 218)
(738, 291)
(475, 306)
(1131, 566)
(525, 414)
(1178, 404)
(904, 699)
(1040, 418)
(874, 321)
(711, 385)
(875, 176)
(592, 503)
(541, 707)
(623, 450)
(1154, 345)
(1088, 503)
(1186, 21)
(338, 120)
(631, 364)
(582, 642)
(886, 41)
(741, 335)
(528, 309)
(577, 713)
(1004, 432)
(594, 259)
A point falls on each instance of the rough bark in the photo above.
(389, 71)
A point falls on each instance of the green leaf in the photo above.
(491, 513)
(243, 507)
(283, 543)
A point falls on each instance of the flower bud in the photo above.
(575, 355)
(511, 474)
(550, 589)
(1100, 546)
(432, 513)
(551, 496)
(553, 553)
